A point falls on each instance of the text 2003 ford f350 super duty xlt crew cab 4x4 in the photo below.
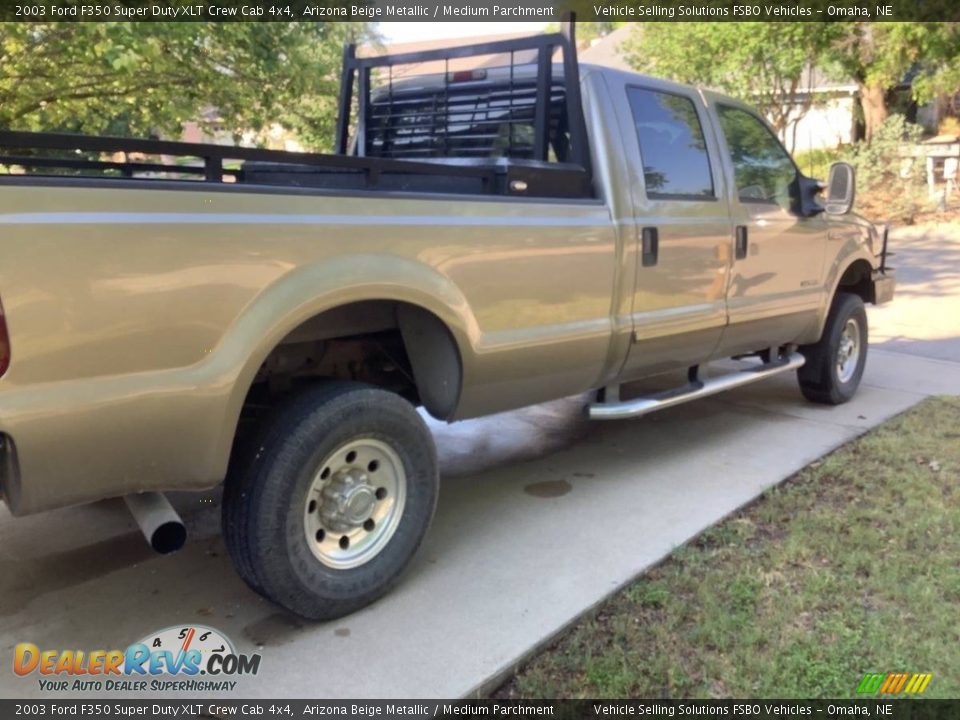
(488, 239)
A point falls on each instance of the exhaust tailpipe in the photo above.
(158, 521)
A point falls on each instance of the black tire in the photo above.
(266, 494)
(820, 378)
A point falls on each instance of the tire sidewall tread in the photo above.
(266, 522)
(818, 378)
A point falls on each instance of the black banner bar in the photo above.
(473, 10)
(877, 708)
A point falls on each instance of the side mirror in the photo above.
(841, 188)
(806, 193)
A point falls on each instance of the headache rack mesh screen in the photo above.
(473, 119)
(482, 106)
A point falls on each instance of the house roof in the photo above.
(815, 80)
(432, 67)
(602, 51)
(607, 50)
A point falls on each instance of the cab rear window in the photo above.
(672, 147)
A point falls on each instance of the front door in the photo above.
(776, 280)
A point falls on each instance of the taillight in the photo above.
(4, 343)
(466, 75)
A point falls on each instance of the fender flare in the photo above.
(838, 270)
(311, 290)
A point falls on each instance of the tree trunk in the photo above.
(874, 102)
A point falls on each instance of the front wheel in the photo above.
(835, 364)
(333, 499)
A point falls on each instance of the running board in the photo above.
(694, 391)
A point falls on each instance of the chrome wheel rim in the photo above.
(354, 503)
(848, 351)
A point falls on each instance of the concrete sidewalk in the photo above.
(541, 516)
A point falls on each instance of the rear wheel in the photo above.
(333, 501)
(835, 364)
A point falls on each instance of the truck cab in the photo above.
(722, 241)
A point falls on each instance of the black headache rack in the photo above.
(466, 99)
(532, 171)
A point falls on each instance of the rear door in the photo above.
(682, 226)
(776, 282)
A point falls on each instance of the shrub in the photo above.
(880, 162)
(890, 184)
(816, 163)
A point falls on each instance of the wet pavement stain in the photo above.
(481, 444)
(548, 488)
(274, 630)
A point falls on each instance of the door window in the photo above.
(762, 168)
(672, 146)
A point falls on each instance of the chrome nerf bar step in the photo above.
(695, 390)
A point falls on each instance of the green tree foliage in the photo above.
(765, 63)
(878, 56)
(150, 78)
(761, 62)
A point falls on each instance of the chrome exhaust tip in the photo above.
(158, 521)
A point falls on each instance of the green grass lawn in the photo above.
(851, 566)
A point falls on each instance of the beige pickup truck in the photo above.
(178, 315)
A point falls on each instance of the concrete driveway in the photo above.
(541, 516)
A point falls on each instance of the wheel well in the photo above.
(393, 345)
(858, 279)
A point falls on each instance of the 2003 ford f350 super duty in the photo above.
(482, 240)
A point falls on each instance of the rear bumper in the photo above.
(74, 442)
(884, 284)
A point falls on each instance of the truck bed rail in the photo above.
(211, 158)
(94, 158)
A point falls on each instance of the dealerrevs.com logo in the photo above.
(179, 658)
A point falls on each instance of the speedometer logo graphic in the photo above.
(180, 639)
